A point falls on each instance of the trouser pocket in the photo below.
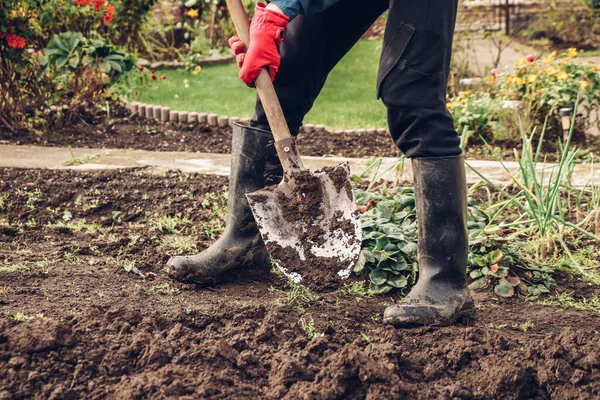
(416, 54)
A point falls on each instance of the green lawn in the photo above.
(347, 100)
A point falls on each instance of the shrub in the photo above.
(478, 113)
(576, 27)
(42, 65)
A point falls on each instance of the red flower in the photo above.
(98, 4)
(154, 77)
(572, 29)
(110, 12)
(14, 41)
(531, 58)
(163, 76)
(142, 68)
(83, 2)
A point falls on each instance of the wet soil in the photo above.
(310, 211)
(95, 330)
(126, 131)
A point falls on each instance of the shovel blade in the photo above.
(310, 226)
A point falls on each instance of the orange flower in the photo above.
(84, 2)
(14, 41)
(110, 12)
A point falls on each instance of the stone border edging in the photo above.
(165, 114)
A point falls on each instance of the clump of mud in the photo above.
(310, 226)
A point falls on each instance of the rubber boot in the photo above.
(441, 296)
(240, 251)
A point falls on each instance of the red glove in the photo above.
(267, 30)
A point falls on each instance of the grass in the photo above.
(348, 99)
(566, 299)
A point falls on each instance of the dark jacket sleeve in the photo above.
(292, 8)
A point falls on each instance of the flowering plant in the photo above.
(550, 83)
(478, 113)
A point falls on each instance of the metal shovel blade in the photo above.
(309, 223)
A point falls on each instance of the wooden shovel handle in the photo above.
(284, 141)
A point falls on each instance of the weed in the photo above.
(165, 289)
(309, 328)
(21, 268)
(566, 299)
(525, 326)
(298, 296)
(356, 289)
(193, 309)
(20, 317)
(4, 203)
(180, 245)
(76, 226)
(84, 159)
(170, 224)
(71, 257)
(365, 337)
(31, 223)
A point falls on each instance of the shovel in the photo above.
(309, 222)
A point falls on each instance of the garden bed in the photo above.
(83, 322)
(125, 131)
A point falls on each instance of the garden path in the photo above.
(12, 156)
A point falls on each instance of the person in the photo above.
(300, 42)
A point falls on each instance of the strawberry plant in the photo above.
(389, 255)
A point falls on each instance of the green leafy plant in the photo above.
(389, 253)
(389, 249)
(70, 51)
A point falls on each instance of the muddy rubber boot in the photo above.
(240, 252)
(441, 296)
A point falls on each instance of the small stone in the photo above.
(349, 131)
(360, 131)
(202, 118)
(308, 128)
(382, 131)
(320, 128)
(156, 112)
(213, 119)
(183, 116)
(142, 110)
(174, 116)
(371, 131)
(149, 111)
(164, 114)
(338, 132)
(223, 121)
(193, 117)
(134, 107)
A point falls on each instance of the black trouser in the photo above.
(413, 69)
